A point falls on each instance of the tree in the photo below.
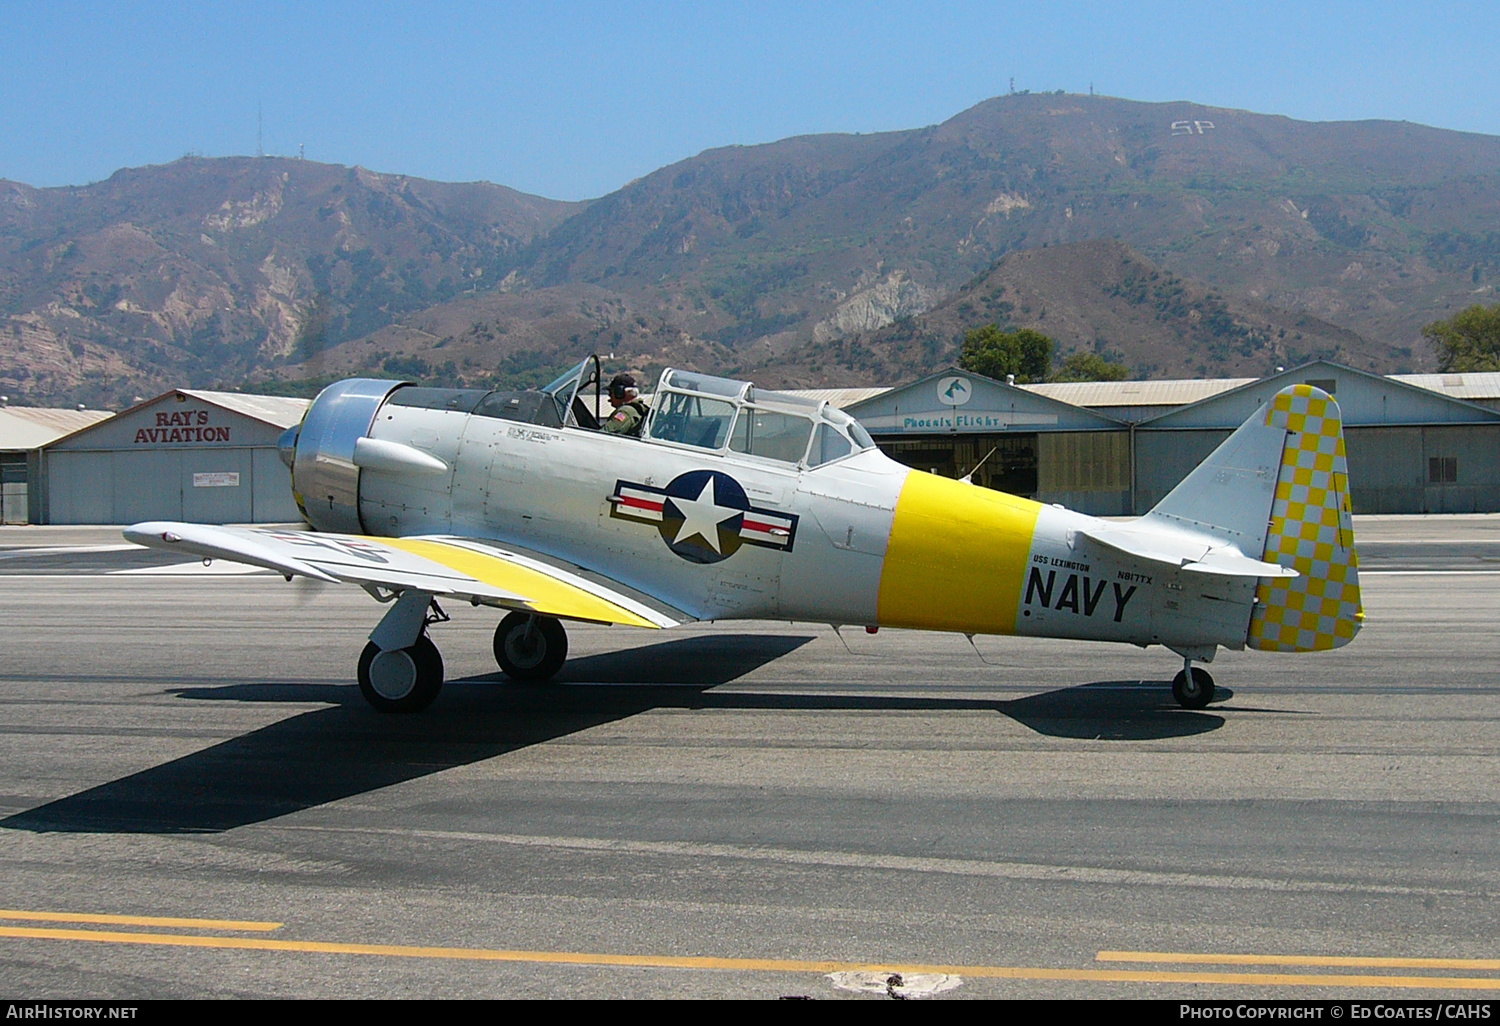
(1090, 367)
(1467, 341)
(994, 353)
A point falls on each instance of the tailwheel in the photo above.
(401, 680)
(1193, 687)
(530, 647)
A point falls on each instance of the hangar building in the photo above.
(1416, 443)
(1010, 438)
(208, 457)
(1411, 449)
(24, 430)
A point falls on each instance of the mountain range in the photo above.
(1176, 238)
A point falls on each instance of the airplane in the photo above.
(742, 503)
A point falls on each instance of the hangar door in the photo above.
(1006, 463)
(196, 485)
(13, 507)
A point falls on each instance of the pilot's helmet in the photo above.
(621, 385)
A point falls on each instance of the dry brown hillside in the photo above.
(1100, 296)
(781, 258)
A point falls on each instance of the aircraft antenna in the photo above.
(969, 477)
(841, 638)
(980, 654)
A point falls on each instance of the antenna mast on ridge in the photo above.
(260, 151)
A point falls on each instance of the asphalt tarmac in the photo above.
(195, 801)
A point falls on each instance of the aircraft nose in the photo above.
(286, 445)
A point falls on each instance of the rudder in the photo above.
(1311, 531)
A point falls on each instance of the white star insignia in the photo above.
(702, 516)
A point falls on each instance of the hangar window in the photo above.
(1328, 385)
(1442, 470)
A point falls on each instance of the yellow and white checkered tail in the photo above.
(1311, 531)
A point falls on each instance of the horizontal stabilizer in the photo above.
(1185, 552)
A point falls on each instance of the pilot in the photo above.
(630, 409)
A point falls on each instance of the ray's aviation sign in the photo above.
(181, 426)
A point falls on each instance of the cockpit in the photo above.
(722, 415)
(697, 411)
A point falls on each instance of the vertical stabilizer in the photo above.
(1311, 531)
(1227, 498)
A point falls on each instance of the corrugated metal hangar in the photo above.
(1410, 450)
(1421, 443)
(1007, 437)
(207, 457)
(1111, 448)
(24, 431)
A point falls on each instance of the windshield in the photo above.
(564, 394)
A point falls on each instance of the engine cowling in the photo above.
(321, 451)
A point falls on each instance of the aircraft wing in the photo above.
(1184, 551)
(509, 577)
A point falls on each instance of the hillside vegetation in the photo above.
(1180, 238)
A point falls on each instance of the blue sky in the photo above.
(573, 100)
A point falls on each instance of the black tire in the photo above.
(1194, 695)
(530, 648)
(403, 680)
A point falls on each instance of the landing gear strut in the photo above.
(530, 647)
(1193, 687)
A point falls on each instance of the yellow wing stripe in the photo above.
(957, 557)
(544, 593)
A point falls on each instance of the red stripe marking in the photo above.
(631, 500)
(758, 525)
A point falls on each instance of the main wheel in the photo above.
(530, 647)
(402, 680)
(1195, 693)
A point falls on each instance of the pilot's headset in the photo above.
(621, 386)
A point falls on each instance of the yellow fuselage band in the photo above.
(957, 557)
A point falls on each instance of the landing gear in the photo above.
(401, 680)
(401, 670)
(530, 647)
(1193, 687)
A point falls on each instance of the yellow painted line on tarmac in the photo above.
(753, 964)
(107, 920)
(1328, 961)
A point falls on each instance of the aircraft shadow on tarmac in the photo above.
(333, 753)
